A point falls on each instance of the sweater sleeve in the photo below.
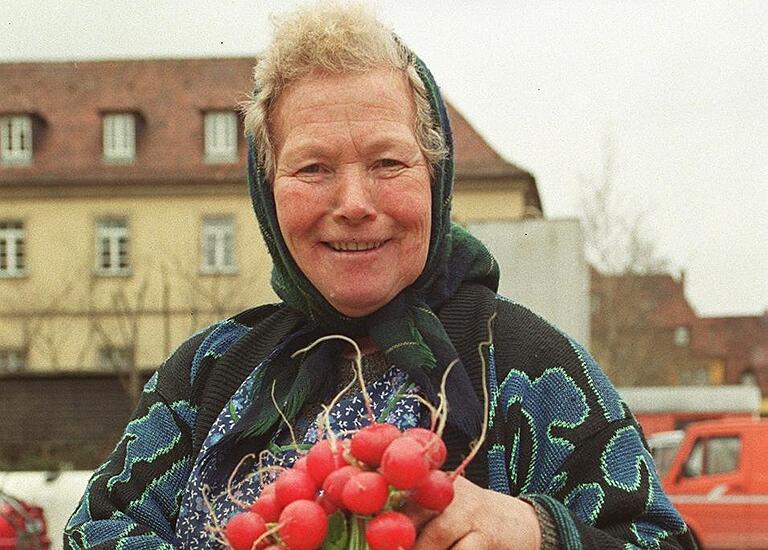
(615, 501)
(564, 440)
(132, 499)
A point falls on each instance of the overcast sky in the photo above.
(681, 89)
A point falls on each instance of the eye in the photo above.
(388, 163)
(311, 169)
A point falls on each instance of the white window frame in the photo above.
(119, 137)
(217, 245)
(220, 136)
(12, 360)
(12, 248)
(112, 244)
(16, 139)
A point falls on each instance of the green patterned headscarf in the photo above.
(407, 329)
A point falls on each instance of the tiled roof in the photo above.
(473, 154)
(68, 98)
(663, 295)
(169, 96)
(743, 339)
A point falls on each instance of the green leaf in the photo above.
(337, 536)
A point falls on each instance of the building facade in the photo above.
(646, 333)
(125, 221)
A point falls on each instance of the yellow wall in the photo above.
(62, 312)
(472, 204)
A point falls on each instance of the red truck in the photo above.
(719, 482)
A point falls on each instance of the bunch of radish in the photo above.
(344, 494)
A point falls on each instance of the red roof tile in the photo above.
(169, 95)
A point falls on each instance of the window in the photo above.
(119, 131)
(113, 358)
(722, 454)
(11, 248)
(12, 360)
(748, 378)
(682, 337)
(16, 139)
(694, 466)
(218, 245)
(220, 136)
(715, 455)
(112, 247)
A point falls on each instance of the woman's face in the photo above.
(351, 186)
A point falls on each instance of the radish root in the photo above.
(358, 367)
(484, 431)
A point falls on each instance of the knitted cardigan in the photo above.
(559, 435)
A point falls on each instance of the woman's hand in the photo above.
(478, 519)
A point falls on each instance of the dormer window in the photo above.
(16, 139)
(119, 137)
(220, 136)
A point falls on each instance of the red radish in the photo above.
(390, 531)
(301, 464)
(321, 460)
(435, 492)
(329, 507)
(365, 493)
(334, 483)
(266, 506)
(268, 489)
(294, 485)
(434, 447)
(403, 464)
(303, 525)
(243, 529)
(368, 444)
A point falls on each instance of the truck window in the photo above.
(715, 455)
(723, 454)
(694, 466)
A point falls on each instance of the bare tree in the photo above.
(628, 283)
(615, 230)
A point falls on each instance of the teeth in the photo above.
(354, 246)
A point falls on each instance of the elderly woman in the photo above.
(351, 172)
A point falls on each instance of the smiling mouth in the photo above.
(354, 246)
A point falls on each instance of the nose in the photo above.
(354, 199)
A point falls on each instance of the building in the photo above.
(125, 226)
(525, 249)
(645, 333)
(741, 344)
(641, 332)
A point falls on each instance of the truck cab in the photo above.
(719, 483)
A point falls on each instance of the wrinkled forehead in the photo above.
(317, 98)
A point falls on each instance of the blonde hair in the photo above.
(336, 39)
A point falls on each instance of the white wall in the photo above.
(543, 267)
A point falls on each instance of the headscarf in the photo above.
(406, 329)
